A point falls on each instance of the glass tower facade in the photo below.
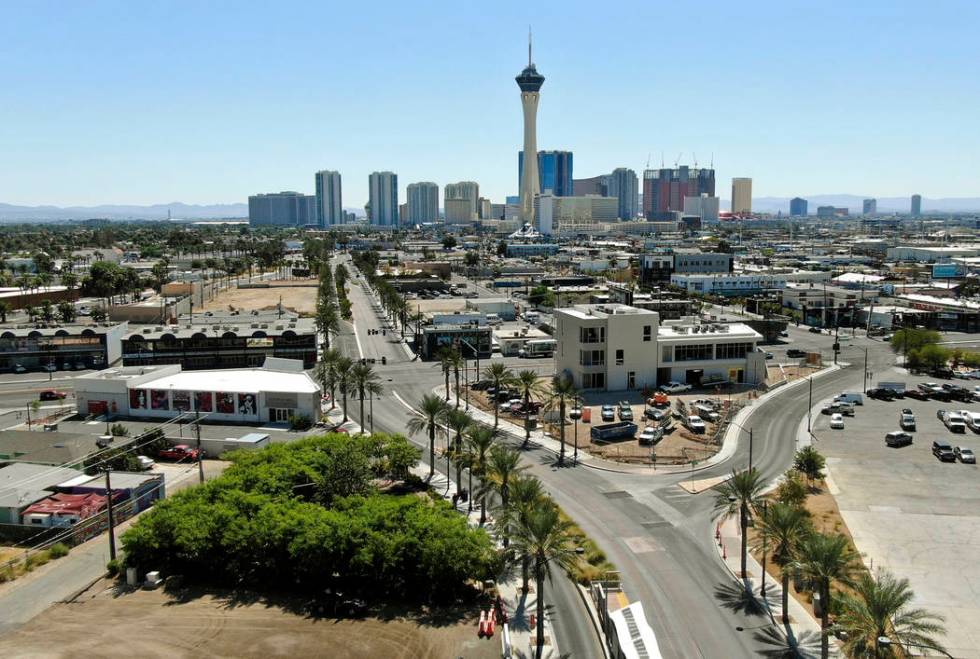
(554, 172)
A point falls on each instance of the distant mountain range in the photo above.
(855, 203)
(178, 210)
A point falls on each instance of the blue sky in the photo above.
(201, 102)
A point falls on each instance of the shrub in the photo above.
(36, 560)
(119, 430)
(300, 422)
(58, 550)
(112, 567)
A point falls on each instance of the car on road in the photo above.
(145, 463)
(180, 452)
(836, 422)
(965, 455)
(784, 334)
(794, 353)
(943, 451)
(608, 413)
(19, 368)
(769, 355)
(906, 419)
(837, 407)
(814, 330)
(695, 424)
(52, 394)
(625, 411)
(897, 439)
(675, 387)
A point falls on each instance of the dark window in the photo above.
(619, 358)
(647, 333)
(693, 352)
(732, 350)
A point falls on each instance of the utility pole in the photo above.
(112, 532)
(200, 454)
(865, 370)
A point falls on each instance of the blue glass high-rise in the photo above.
(554, 171)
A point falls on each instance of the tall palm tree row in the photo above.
(503, 468)
(342, 369)
(479, 442)
(562, 392)
(432, 409)
(458, 422)
(782, 529)
(529, 387)
(546, 538)
(501, 377)
(823, 559)
(741, 494)
(365, 382)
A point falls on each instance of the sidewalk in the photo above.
(802, 626)
(519, 606)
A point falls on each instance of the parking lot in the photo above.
(908, 511)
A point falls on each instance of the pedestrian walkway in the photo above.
(803, 627)
(519, 607)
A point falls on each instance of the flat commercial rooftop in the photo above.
(235, 381)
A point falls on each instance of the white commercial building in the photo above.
(705, 207)
(567, 214)
(742, 283)
(616, 347)
(928, 254)
(274, 393)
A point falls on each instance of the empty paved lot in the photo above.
(909, 512)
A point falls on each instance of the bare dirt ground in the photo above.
(104, 622)
(298, 295)
(826, 519)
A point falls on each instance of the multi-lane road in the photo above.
(658, 536)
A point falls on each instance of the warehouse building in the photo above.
(274, 393)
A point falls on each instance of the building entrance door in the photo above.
(280, 415)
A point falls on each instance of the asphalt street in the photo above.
(659, 536)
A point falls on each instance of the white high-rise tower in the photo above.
(530, 82)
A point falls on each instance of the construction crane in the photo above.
(678, 159)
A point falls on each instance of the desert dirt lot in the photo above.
(193, 624)
(298, 295)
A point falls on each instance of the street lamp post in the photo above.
(884, 641)
(809, 405)
(762, 589)
(575, 414)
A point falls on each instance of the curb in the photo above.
(594, 617)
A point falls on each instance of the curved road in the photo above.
(658, 536)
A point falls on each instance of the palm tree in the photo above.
(879, 608)
(547, 539)
(526, 493)
(501, 377)
(783, 527)
(823, 558)
(432, 409)
(562, 392)
(323, 373)
(479, 441)
(528, 386)
(740, 494)
(343, 368)
(365, 381)
(459, 422)
(456, 363)
(502, 468)
(445, 363)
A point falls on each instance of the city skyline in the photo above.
(132, 130)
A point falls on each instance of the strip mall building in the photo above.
(272, 393)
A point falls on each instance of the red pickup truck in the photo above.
(179, 452)
(52, 394)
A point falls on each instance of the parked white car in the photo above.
(675, 388)
(837, 422)
(695, 424)
(145, 463)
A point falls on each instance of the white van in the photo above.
(532, 317)
(851, 397)
(494, 319)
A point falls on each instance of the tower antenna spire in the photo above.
(529, 45)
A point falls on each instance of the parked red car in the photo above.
(179, 452)
(51, 394)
